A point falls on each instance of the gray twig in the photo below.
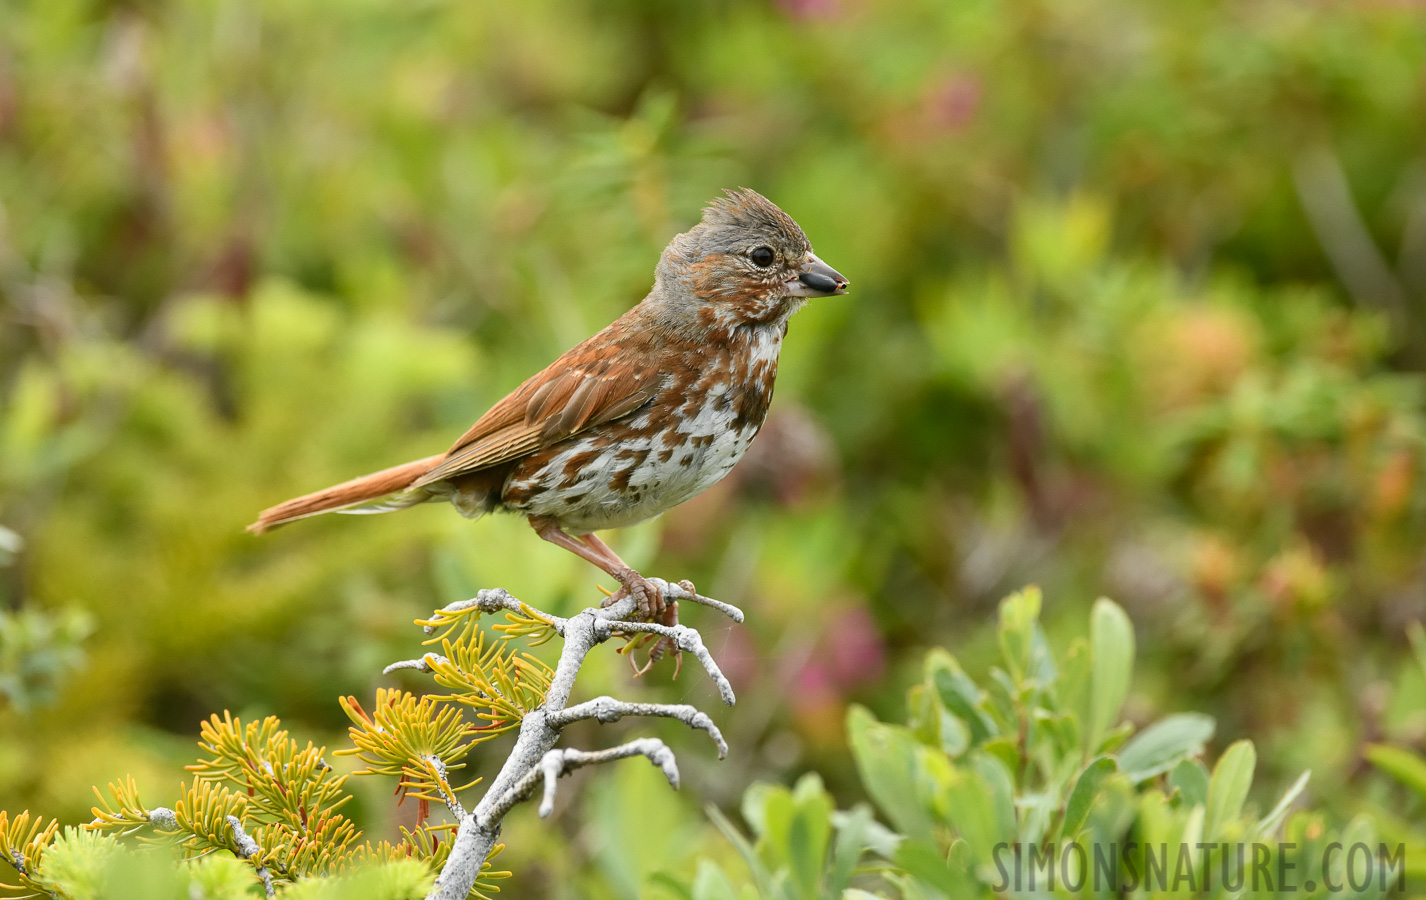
(685, 639)
(420, 665)
(534, 760)
(607, 709)
(556, 763)
(247, 848)
(443, 782)
(684, 591)
(163, 818)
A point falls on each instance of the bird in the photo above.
(643, 416)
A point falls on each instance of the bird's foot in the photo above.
(646, 594)
(669, 617)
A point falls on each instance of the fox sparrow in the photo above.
(644, 415)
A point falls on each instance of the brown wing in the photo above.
(578, 391)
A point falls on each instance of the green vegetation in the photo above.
(1021, 760)
(1138, 307)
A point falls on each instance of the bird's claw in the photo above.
(662, 643)
(647, 596)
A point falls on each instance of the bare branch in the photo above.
(443, 782)
(420, 665)
(248, 849)
(561, 762)
(684, 591)
(607, 709)
(557, 763)
(684, 638)
(534, 760)
(163, 818)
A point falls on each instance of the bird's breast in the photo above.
(701, 422)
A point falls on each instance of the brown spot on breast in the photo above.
(667, 454)
(620, 481)
(638, 456)
(751, 400)
(576, 464)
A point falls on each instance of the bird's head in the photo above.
(747, 262)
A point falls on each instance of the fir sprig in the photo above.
(23, 842)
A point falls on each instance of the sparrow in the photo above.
(643, 416)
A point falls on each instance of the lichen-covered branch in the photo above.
(534, 760)
(607, 709)
(248, 849)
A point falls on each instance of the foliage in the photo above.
(259, 795)
(1137, 310)
(1029, 777)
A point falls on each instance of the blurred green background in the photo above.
(1139, 310)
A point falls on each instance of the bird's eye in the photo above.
(762, 257)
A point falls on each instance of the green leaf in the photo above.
(808, 833)
(979, 803)
(960, 695)
(1400, 763)
(1111, 638)
(1159, 747)
(1190, 779)
(1270, 822)
(710, 883)
(887, 761)
(923, 861)
(1083, 794)
(1073, 686)
(1018, 614)
(853, 838)
(1228, 789)
(760, 874)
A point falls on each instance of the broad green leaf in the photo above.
(1190, 779)
(1083, 794)
(924, 717)
(1159, 747)
(1116, 738)
(1004, 749)
(1400, 763)
(808, 834)
(876, 837)
(887, 761)
(923, 861)
(955, 737)
(1002, 790)
(979, 804)
(853, 839)
(1228, 789)
(1111, 639)
(711, 884)
(1073, 686)
(959, 694)
(1018, 615)
(754, 805)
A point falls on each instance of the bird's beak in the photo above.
(816, 279)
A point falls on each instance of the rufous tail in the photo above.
(345, 495)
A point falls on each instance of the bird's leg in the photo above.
(648, 597)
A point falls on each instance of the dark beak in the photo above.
(817, 279)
